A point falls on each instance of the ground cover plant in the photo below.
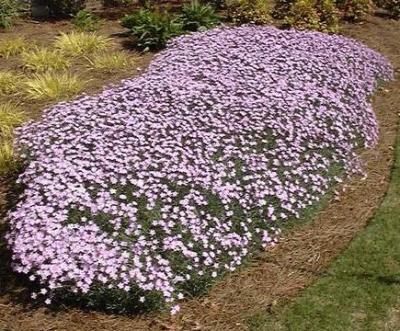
(147, 191)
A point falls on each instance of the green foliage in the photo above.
(9, 82)
(110, 61)
(196, 16)
(9, 10)
(152, 29)
(13, 46)
(81, 43)
(117, 3)
(248, 11)
(354, 10)
(392, 6)
(53, 86)
(65, 8)
(321, 15)
(44, 59)
(84, 20)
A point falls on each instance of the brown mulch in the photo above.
(279, 274)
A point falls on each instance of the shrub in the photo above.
(248, 11)
(319, 15)
(9, 82)
(110, 61)
(152, 29)
(166, 182)
(392, 6)
(65, 8)
(354, 10)
(117, 3)
(84, 20)
(196, 16)
(44, 59)
(81, 43)
(9, 10)
(53, 86)
(13, 46)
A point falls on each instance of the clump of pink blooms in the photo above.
(184, 171)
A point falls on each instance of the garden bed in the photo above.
(243, 290)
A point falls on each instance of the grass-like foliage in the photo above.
(110, 61)
(13, 46)
(82, 43)
(196, 16)
(10, 117)
(152, 29)
(9, 82)
(145, 193)
(53, 86)
(44, 59)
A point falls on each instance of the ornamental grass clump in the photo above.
(148, 191)
(82, 43)
(44, 59)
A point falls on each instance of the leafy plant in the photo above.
(44, 59)
(9, 10)
(392, 6)
(9, 82)
(65, 8)
(13, 46)
(110, 61)
(81, 43)
(313, 15)
(117, 3)
(53, 86)
(248, 11)
(196, 15)
(354, 10)
(152, 29)
(84, 20)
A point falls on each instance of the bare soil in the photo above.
(276, 275)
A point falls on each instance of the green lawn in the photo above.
(361, 290)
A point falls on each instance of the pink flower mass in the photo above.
(183, 172)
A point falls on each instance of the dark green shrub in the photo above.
(354, 10)
(84, 20)
(248, 11)
(313, 15)
(392, 6)
(65, 8)
(9, 10)
(196, 15)
(152, 29)
(117, 3)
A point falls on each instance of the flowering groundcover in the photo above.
(143, 194)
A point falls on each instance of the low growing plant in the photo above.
(152, 29)
(11, 116)
(44, 59)
(13, 46)
(7, 157)
(196, 16)
(85, 20)
(82, 43)
(53, 86)
(9, 82)
(110, 61)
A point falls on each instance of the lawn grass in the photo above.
(361, 289)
